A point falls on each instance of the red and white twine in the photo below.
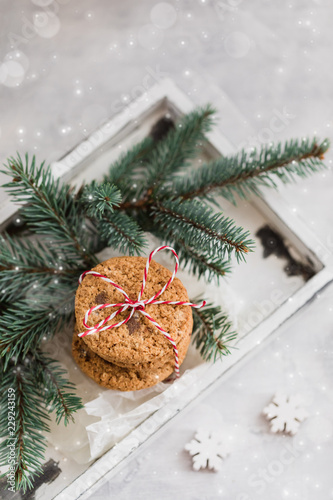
(138, 305)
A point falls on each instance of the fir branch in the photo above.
(25, 323)
(25, 264)
(212, 332)
(30, 422)
(126, 171)
(122, 170)
(199, 227)
(201, 263)
(49, 207)
(245, 173)
(120, 231)
(57, 390)
(116, 230)
(99, 200)
(180, 144)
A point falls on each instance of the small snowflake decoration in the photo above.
(208, 449)
(285, 414)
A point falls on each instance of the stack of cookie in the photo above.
(136, 354)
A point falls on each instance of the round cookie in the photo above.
(182, 347)
(112, 376)
(137, 341)
(154, 363)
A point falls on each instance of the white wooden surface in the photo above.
(267, 58)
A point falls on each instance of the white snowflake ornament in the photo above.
(285, 413)
(208, 449)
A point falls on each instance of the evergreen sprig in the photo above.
(212, 332)
(32, 388)
(100, 199)
(49, 207)
(197, 224)
(30, 419)
(124, 170)
(247, 172)
(121, 231)
(149, 188)
(26, 323)
(202, 263)
(183, 143)
(58, 391)
(27, 265)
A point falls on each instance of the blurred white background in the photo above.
(68, 65)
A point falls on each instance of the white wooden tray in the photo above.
(264, 296)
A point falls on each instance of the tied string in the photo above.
(136, 305)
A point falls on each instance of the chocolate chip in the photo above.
(101, 298)
(134, 324)
(83, 353)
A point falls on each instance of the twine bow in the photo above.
(136, 305)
